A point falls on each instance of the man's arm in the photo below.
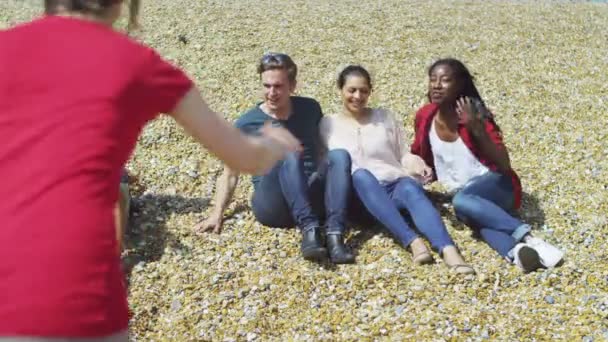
(226, 185)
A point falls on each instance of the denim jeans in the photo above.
(385, 200)
(286, 196)
(484, 205)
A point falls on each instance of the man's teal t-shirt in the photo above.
(303, 123)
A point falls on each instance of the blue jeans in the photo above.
(484, 204)
(384, 202)
(286, 197)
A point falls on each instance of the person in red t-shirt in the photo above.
(457, 136)
(74, 96)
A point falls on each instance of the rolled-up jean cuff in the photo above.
(335, 231)
(521, 231)
(310, 227)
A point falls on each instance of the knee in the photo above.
(465, 205)
(291, 158)
(362, 176)
(270, 209)
(291, 162)
(364, 182)
(409, 188)
(339, 158)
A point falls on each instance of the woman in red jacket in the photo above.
(74, 96)
(457, 136)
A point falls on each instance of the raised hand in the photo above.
(277, 142)
(470, 116)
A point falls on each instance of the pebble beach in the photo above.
(541, 66)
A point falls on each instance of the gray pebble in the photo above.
(550, 299)
(485, 335)
(176, 305)
(399, 310)
(193, 174)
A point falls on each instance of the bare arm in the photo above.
(226, 185)
(254, 155)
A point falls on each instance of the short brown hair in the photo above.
(272, 61)
(95, 7)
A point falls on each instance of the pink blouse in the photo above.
(378, 145)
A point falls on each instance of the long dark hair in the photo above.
(95, 7)
(462, 76)
(467, 81)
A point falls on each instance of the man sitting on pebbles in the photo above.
(294, 192)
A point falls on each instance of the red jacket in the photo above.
(422, 145)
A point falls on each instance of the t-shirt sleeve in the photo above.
(161, 84)
(249, 124)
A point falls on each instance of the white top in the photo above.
(378, 145)
(455, 164)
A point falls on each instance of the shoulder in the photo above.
(304, 101)
(426, 111)
(382, 113)
(328, 121)
(307, 104)
(252, 116)
(385, 116)
(423, 115)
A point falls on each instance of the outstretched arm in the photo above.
(254, 155)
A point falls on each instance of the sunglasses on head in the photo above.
(273, 57)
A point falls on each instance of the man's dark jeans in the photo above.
(286, 197)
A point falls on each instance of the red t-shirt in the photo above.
(74, 96)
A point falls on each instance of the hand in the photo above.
(281, 137)
(212, 223)
(427, 174)
(470, 116)
(276, 143)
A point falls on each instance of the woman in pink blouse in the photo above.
(386, 176)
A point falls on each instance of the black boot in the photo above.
(312, 248)
(339, 253)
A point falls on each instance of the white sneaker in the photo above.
(549, 254)
(526, 257)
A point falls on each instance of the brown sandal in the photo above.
(420, 255)
(423, 258)
(462, 269)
